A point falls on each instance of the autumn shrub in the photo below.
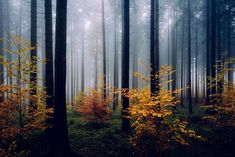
(221, 109)
(21, 111)
(94, 107)
(155, 127)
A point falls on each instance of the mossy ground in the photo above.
(107, 140)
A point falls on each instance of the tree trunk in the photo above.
(125, 64)
(83, 56)
(213, 44)
(182, 60)
(61, 144)
(116, 80)
(154, 46)
(49, 52)
(189, 86)
(230, 73)
(104, 50)
(1, 47)
(196, 63)
(33, 38)
(208, 91)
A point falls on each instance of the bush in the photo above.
(155, 127)
(21, 111)
(221, 109)
(94, 107)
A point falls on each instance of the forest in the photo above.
(117, 78)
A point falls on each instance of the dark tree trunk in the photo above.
(61, 142)
(9, 56)
(182, 59)
(83, 56)
(125, 64)
(219, 48)
(104, 49)
(213, 43)
(49, 52)
(33, 39)
(115, 57)
(230, 73)
(1, 46)
(189, 86)
(196, 63)
(168, 51)
(208, 91)
(174, 50)
(154, 46)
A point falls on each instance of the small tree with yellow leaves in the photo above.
(21, 112)
(222, 104)
(94, 107)
(155, 127)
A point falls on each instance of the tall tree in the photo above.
(125, 63)
(33, 39)
(83, 55)
(174, 49)
(49, 52)
(230, 74)
(104, 49)
(116, 80)
(182, 56)
(61, 144)
(189, 86)
(196, 61)
(1, 44)
(208, 91)
(154, 45)
(219, 48)
(213, 43)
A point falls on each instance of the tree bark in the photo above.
(104, 50)
(189, 85)
(61, 144)
(1, 47)
(154, 46)
(213, 44)
(33, 39)
(125, 64)
(49, 52)
(208, 91)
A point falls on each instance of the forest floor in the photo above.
(107, 140)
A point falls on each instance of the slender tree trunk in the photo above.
(208, 91)
(96, 65)
(116, 80)
(1, 46)
(196, 63)
(213, 44)
(168, 50)
(230, 73)
(125, 63)
(189, 85)
(174, 50)
(49, 52)
(104, 49)
(219, 49)
(60, 130)
(154, 46)
(182, 60)
(83, 56)
(9, 56)
(33, 38)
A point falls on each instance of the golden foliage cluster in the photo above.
(93, 106)
(21, 111)
(221, 109)
(152, 116)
